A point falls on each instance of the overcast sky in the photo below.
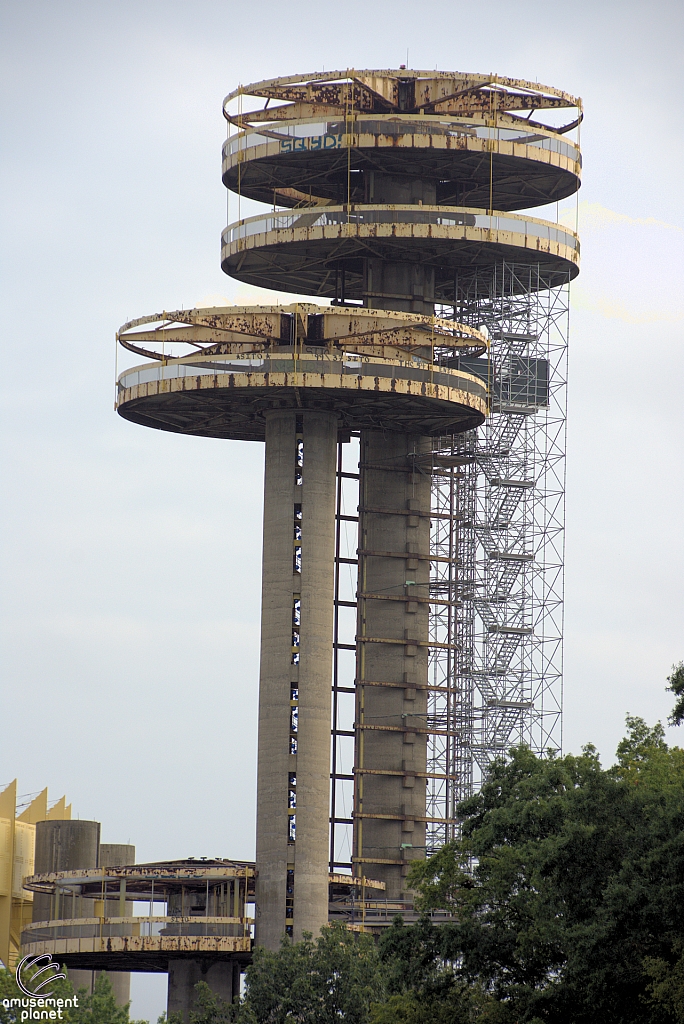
(131, 556)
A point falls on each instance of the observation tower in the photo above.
(391, 197)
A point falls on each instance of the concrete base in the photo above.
(223, 979)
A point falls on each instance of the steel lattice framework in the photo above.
(497, 539)
(498, 678)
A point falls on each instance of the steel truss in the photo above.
(496, 587)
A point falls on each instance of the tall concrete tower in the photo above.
(390, 193)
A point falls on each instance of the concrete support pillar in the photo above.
(385, 282)
(293, 788)
(184, 973)
(116, 855)
(408, 287)
(66, 846)
(392, 658)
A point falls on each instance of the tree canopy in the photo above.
(335, 977)
(96, 1007)
(567, 887)
(676, 686)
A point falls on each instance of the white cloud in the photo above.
(630, 266)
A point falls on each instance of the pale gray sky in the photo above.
(132, 557)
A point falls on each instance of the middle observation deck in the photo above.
(324, 250)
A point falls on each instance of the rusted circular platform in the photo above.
(306, 251)
(457, 134)
(375, 370)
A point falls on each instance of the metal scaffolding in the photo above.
(508, 499)
(496, 586)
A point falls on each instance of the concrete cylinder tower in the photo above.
(285, 376)
(64, 846)
(389, 193)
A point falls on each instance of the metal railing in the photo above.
(436, 216)
(356, 365)
(129, 927)
(314, 134)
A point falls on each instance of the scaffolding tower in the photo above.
(496, 583)
(501, 680)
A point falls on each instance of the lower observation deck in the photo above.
(137, 943)
(206, 914)
(225, 391)
(307, 249)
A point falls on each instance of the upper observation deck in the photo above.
(457, 139)
(385, 371)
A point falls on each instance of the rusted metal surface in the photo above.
(235, 402)
(246, 330)
(340, 93)
(147, 942)
(371, 367)
(138, 878)
(141, 944)
(472, 165)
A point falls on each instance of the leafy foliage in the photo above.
(676, 686)
(565, 892)
(334, 977)
(208, 1009)
(424, 986)
(99, 1007)
(577, 880)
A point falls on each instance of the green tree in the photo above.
(335, 977)
(676, 686)
(424, 986)
(567, 885)
(666, 986)
(208, 1009)
(98, 1007)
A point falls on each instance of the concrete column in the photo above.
(66, 846)
(295, 675)
(184, 975)
(117, 855)
(408, 287)
(392, 663)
